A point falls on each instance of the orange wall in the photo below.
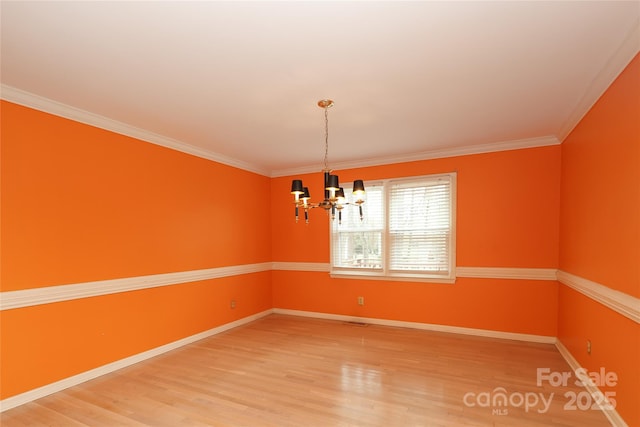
(522, 306)
(507, 216)
(600, 235)
(46, 343)
(83, 204)
(507, 208)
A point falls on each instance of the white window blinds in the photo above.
(356, 243)
(408, 231)
(419, 225)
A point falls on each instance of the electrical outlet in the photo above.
(233, 303)
(588, 346)
(360, 300)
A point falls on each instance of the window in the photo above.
(408, 231)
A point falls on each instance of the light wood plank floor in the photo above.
(292, 371)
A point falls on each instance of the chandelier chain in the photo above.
(326, 138)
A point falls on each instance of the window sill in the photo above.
(390, 277)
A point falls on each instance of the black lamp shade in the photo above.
(358, 186)
(296, 187)
(332, 183)
(306, 193)
(340, 192)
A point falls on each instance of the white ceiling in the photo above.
(238, 81)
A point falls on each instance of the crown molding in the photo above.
(625, 304)
(50, 106)
(611, 70)
(50, 294)
(518, 144)
(27, 99)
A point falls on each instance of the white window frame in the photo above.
(385, 273)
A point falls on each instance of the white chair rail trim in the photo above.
(625, 304)
(620, 302)
(302, 266)
(507, 273)
(49, 294)
(473, 272)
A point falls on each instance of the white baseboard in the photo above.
(424, 326)
(48, 389)
(612, 415)
(31, 395)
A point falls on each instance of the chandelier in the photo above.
(334, 199)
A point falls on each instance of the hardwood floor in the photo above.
(292, 371)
